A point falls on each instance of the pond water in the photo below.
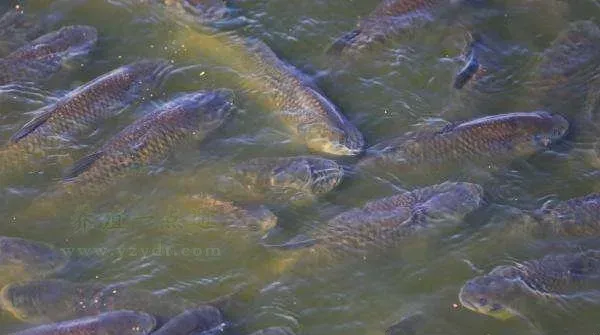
(140, 231)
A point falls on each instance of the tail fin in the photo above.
(343, 42)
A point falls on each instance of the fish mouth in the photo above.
(561, 126)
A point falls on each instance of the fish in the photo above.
(191, 321)
(122, 322)
(574, 217)
(483, 140)
(82, 109)
(391, 221)
(565, 68)
(152, 137)
(283, 90)
(22, 259)
(44, 56)
(389, 18)
(283, 178)
(508, 290)
(56, 300)
(16, 29)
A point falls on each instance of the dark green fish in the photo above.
(488, 139)
(22, 259)
(506, 291)
(113, 323)
(283, 90)
(390, 221)
(45, 55)
(152, 137)
(274, 331)
(82, 109)
(192, 321)
(16, 29)
(282, 178)
(53, 300)
(388, 19)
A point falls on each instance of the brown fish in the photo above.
(573, 217)
(44, 56)
(113, 323)
(487, 139)
(389, 18)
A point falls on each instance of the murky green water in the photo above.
(136, 232)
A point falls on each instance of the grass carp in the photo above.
(484, 140)
(283, 90)
(505, 292)
(44, 56)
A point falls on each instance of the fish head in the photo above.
(329, 139)
(129, 322)
(311, 175)
(492, 295)
(39, 301)
(205, 110)
(30, 256)
(546, 128)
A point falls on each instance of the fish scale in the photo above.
(574, 217)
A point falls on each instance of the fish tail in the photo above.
(342, 43)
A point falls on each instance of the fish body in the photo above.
(44, 56)
(471, 66)
(567, 65)
(487, 139)
(54, 300)
(191, 321)
(22, 259)
(113, 323)
(388, 19)
(505, 291)
(16, 29)
(573, 217)
(388, 222)
(152, 137)
(82, 109)
(309, 115)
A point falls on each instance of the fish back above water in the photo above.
(502, 293)
(122, 322)
(389, 18)
(45, 55)
(289, 94)
(492, 138)
(150, 138)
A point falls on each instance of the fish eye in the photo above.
(483, 301)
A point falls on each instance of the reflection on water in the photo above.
(187, 224)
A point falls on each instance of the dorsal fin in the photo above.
(32, 125)
(83, 164)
